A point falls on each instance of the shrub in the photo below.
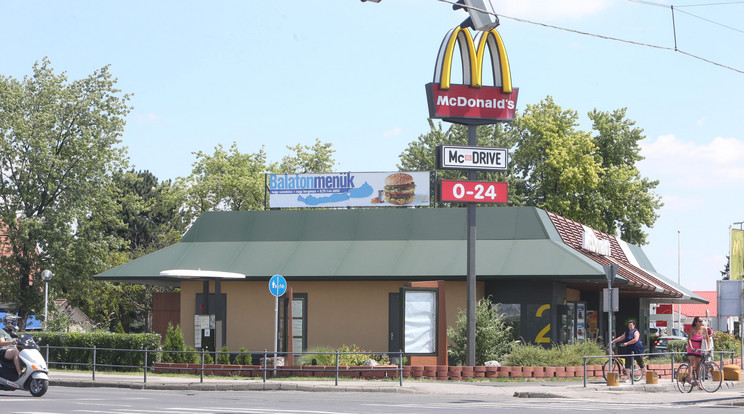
(493, 337)
(558, 355)
(722, 341)
(208, 359)
(191, 356)
(174, 342)
(348, 355)
(244, 358)
(111, 349)
(678, 346)
(224, 356)
(323, 355)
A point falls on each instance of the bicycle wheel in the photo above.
(637, 372)
(684, 377)
(708, 380)
(606, 368)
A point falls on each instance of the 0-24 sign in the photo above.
(473, 192)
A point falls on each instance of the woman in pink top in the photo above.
(695, 337)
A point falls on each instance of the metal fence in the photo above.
(267, 370)
(632, 366)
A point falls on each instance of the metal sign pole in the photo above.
(610, 272)
(741, 323)
(276, 329)
(472, 140)
(277, 287)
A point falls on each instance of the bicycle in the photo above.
(619, 367)
(705, 377)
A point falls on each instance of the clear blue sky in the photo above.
(277, 73)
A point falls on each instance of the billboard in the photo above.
(737, 254)
(348, 189)
(472, 103)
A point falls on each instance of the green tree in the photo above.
(141, 215)
(621, 184)
(557, 167)
(153, 217)
(558, 162)
(226, 180)
(152, 212)
(726, 272)
(59, 145)
(305, 159)
(493, 337)
(233, 181)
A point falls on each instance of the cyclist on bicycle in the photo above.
(695, 337)
(632, 343)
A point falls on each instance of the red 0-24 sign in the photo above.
(473, 192)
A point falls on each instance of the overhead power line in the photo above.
(673, 49)
(677, 8)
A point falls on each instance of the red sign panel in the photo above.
(464, 104)
(473, 192)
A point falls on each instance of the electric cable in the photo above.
(673, 49)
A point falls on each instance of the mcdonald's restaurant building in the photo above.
(345, 270)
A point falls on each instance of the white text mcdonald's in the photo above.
(472, 103)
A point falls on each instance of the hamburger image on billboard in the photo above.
(399, 189)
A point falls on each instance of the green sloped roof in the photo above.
(389, 243)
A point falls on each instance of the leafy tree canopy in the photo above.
(59, 145)
(234, 181)
(590, 177)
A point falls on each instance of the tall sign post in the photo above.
(472, 104)
(277, 287)
(610, 273)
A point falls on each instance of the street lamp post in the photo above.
(46, 275)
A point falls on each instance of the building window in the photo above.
(298, 335)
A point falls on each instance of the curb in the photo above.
(527, 394)
(236, 386)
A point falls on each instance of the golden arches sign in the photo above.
(471, 102)
(472, 52)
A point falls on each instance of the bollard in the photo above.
(613, 379)
(652, 377)
(732, 373)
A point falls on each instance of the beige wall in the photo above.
(339, 313)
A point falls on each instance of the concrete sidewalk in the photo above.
(731, 393)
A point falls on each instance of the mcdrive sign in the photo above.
(472, 103)
(472, 158)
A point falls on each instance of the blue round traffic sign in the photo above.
(277, 285)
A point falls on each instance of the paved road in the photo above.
(111, 393)
(88, 400)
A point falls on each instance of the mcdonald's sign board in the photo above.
(472, 103)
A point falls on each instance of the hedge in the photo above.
(64, 349)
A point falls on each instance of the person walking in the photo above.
(631, 340)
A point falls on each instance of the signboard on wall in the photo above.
(419, 321)
(349, 189)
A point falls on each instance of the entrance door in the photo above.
(394, 344)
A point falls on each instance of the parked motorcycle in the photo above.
(34, 375)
